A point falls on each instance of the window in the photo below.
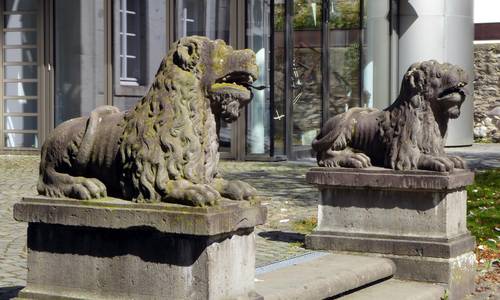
(130, 34)
(139, 44)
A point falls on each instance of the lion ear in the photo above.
(416, 79)
(186, 54)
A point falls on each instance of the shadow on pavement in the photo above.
(282, 236)
(9, 292)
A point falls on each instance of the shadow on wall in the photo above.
(409, 16)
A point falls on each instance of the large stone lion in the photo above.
(407, 135)
(166, 147)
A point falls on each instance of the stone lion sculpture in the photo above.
(407, 135)
(166, 147)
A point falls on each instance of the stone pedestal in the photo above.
(115, 249)
(416, 218)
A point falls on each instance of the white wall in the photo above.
(486, 11)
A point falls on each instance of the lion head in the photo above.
(225, 75)
(171, 134)
(441, 85)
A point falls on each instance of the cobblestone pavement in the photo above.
(289, 199)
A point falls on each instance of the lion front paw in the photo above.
(458, 162)
(81, 188)
(201, 195)
(436, 163)
(345, 159)
(235, 189)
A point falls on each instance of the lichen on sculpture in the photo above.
(409, 134)
(166, 147)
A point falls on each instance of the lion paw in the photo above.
(346, 160)
(201, 195)
(237, 190)
(436, 163)
(458, 162)
(86, 188)
(74, 187)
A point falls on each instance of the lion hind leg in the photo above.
(55, 184)
(345, 158)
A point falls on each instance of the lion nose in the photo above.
(462, 84)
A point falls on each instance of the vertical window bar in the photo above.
(123, 46)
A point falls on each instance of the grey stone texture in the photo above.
(165, 149)
(418, 219)
(487, 92)
(399, 289)
(323, 277)
(409, 134)
(85, 249)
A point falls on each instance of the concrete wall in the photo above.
(441, 30)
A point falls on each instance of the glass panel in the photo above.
(20, 89)
(279, 78)
(207, 18)
(306, 74)
(20, 21)
(26, 140)
(21, 54)
(132, 33)
(79, 53)
(20, 122)
(20, 106)
(20, 38)
(258, 120)
(345, 56)
(20, 72)
(21, 5)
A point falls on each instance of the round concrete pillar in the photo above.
(442, 30)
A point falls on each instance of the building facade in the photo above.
(317, 58)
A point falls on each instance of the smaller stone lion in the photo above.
(407, 135)
(166, 147)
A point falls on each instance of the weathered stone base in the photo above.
(385, 244)
(146, 261)
(417, 219)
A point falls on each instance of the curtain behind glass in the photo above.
(258, 123)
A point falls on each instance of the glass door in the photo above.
(20, 86)
(306, 75)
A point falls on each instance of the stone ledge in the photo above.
(323, 277)
(381, 178)
(388, 244)
(114, 213)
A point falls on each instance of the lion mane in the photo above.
(407, 135)
(166, 147)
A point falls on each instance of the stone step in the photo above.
(398, 289)
(324, 275)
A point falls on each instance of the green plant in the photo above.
(305, 226)
(483, 208)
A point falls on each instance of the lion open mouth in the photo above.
(232, 91)
(452, 99)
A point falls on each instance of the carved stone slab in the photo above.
(115, 249)
(416, 218)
